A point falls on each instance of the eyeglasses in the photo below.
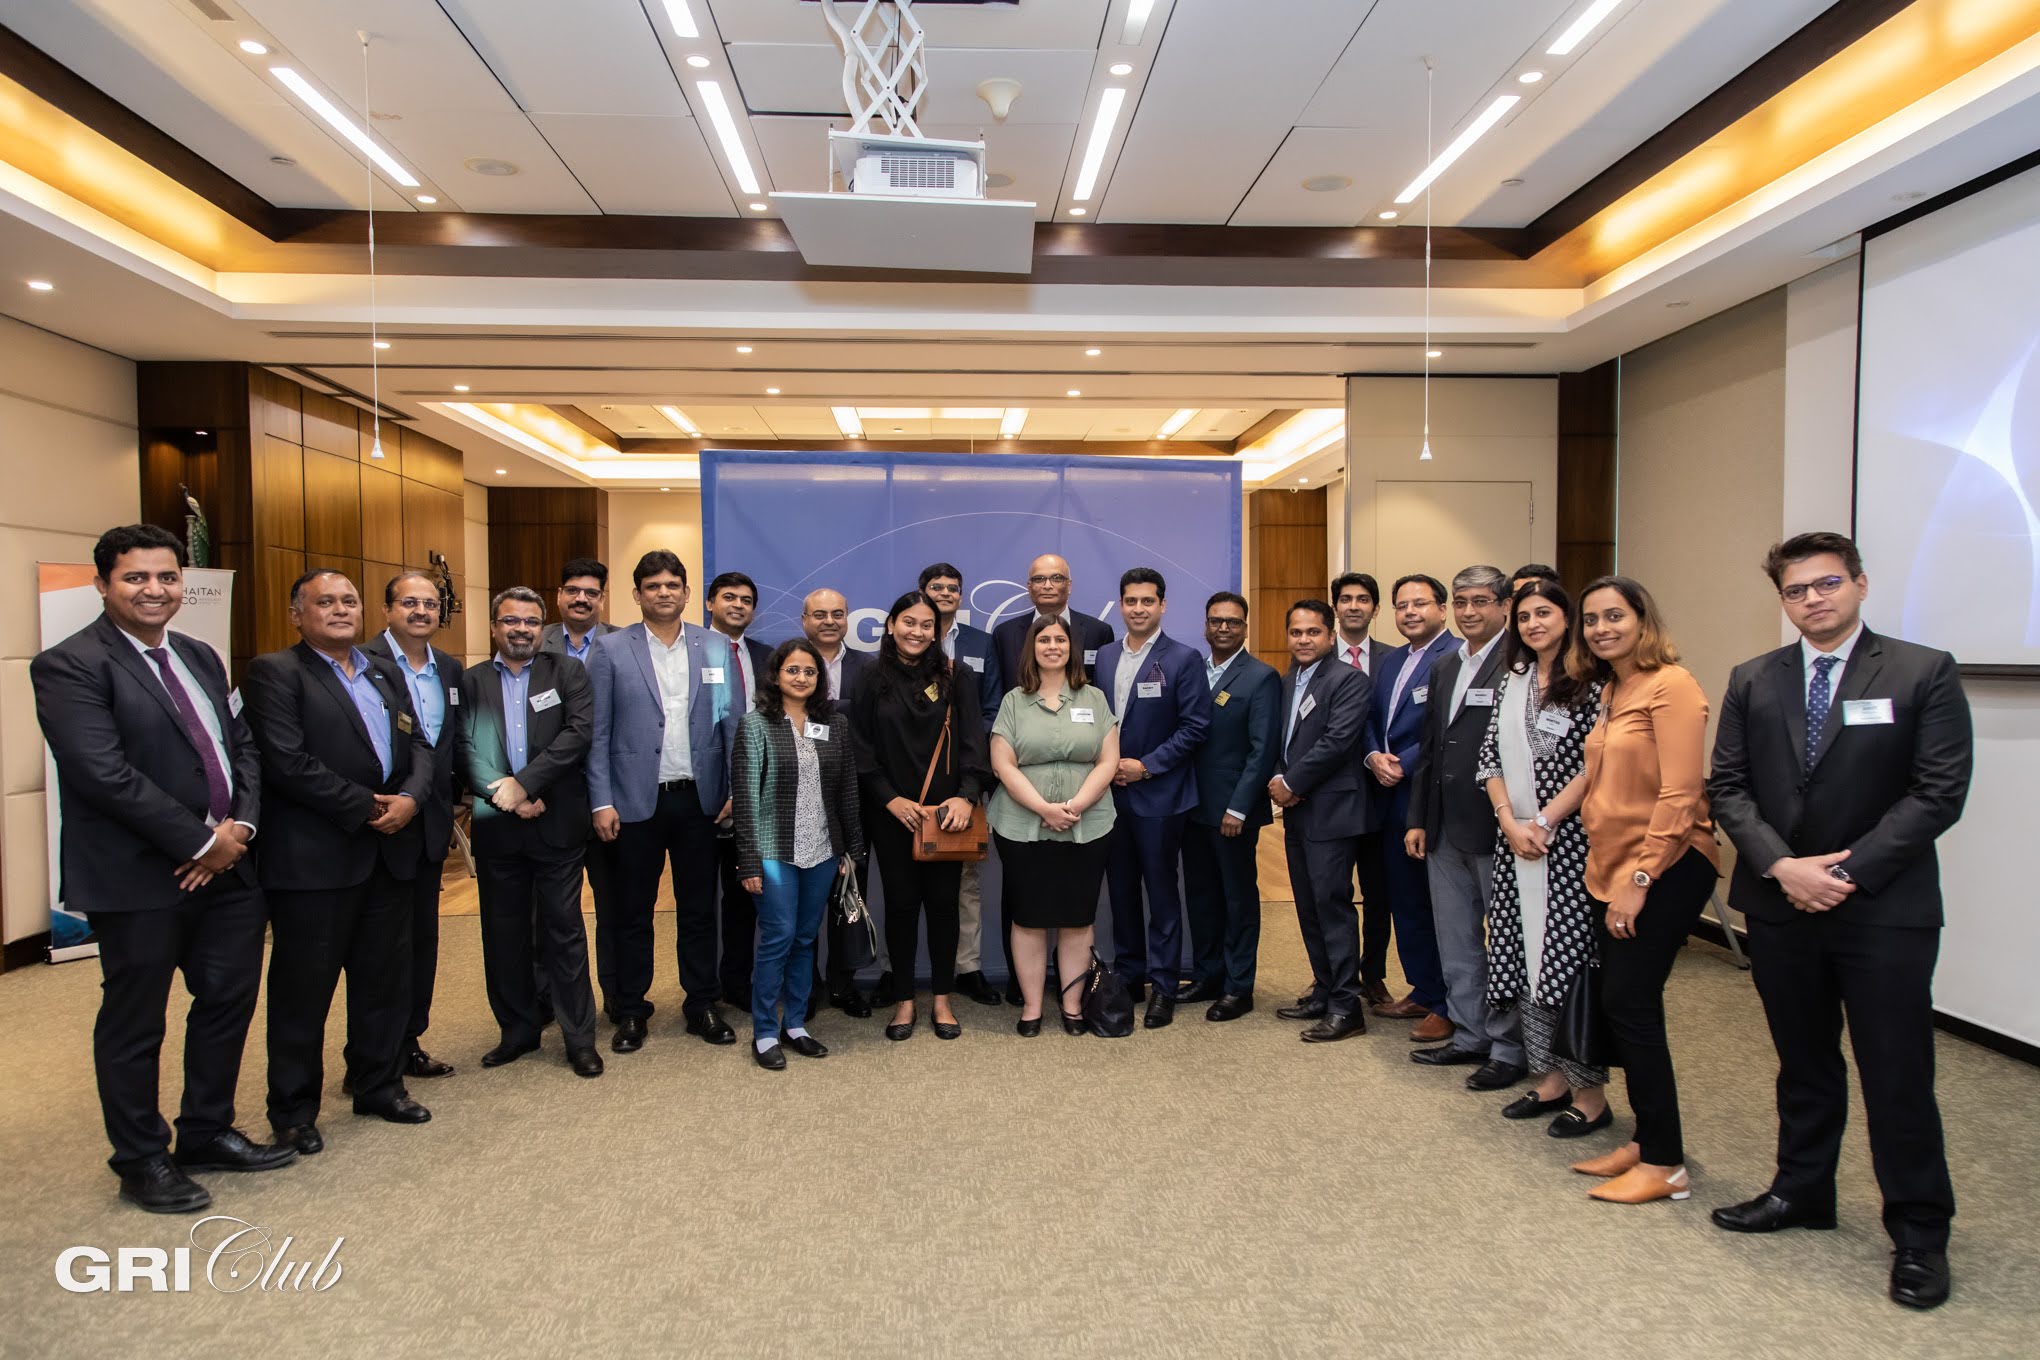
(581, 592)
(1824, 587)
(1473, 601)
(938, 588)
(800, 672)
(1057, 579)
(1210, 622)
(414, 602)
(519, 623)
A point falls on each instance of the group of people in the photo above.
(1525, 805)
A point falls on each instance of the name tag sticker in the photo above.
(1090, 656)
(711, 675)
(1308, 706)
(541, 702)
(1221, 697)
(1082, 715)
(817, 731)
(234, 702)
(1480, 698)
(1866, 712)
(1554, 723)
(453, 698)
(976, 663)
(1420, 694)
(404, 723)
(934, 691)
(1148, 689)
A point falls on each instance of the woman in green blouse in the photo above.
(1055, 748)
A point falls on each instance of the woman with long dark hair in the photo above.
(918, 722)
(1541, 922)
(1651, 860)
(793, 780)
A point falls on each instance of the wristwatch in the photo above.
(1640, 879)
(1543, 821)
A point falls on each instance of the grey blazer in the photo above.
(630, 721)
(554, 637)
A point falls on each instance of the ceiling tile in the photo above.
(1058, 23)
(590, 57)
(1362, 155)
(441, 142)
(808, 79)
(715, 420)
(801, 422)
(418, 59)
(639, 165)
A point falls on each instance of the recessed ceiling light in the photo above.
(1078, 212)
(1911, 196)
(698, 62)
(1121, 68)
(491, 166)
(198, 432)
(1489, 116)
(847, 422)
(282, 160)
(427, 199)
(726, 133)
(1512, 182)
(502, 472)
(1327, 184)
(665, 488)
(343, 125)
(42, 285)
(1109, 105)
(743, 349)
(1093, 353)
(996, 180)
(771, 391)
(1388, 214)
(460, 387)
(1012, 422)
(760, 207)
(682, 19)
(380, 344)
(1073, 392)
(899, 429)
(1530, 77)
(1174, 424)
(1137, 12)
(253, 48)
(1434, 354)
(1681, 303)
(679, 420)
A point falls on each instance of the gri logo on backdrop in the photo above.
(231, 1255)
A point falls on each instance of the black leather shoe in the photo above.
(233, 1150)
(159, 1187)
(586, 1062)
(1161, 1010)
(1919, 1278)
(1495, 1075)
(1027, 1029)
(1446, 1056)
(946, 1029)
(629, 1036)
(850, 1001)
(1229, 1007)
(1200, 991)
(978, 988)
(807, 1045)
(1532, 1106)
(1075, 1024)
(1333, 1028)
(397, 1109)
(1306, 1008)
(771, 1057)
(304, 1137)
(423, 1064)
(1769, 1212)
(712, 1028)
(1571, 1123)
(507, 1052)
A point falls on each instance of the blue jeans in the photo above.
(789, 917)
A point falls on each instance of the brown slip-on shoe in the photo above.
(1405, 1009)
(1432, 1029)
(1642, 1184)
(1615, 1163)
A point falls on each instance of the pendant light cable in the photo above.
(374, 365)
(1430, 75)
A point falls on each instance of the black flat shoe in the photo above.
(506, 1052)
(397, 1109)
(772, 1057)
(1919, 1278)
(1769, 1212)
(586, 1062)
(948, 1030)
(159, 1187)
(304, 1137)
(1530, 1106)
(1027, 1029)
(1075, 1024)
(233, 1150)
(807, 1045)
(1572, 1124)
(901, 1030)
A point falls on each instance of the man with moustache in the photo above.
(1839, 761)
(825, 621)
(432, 677)
(345, 770)
(1048, 588)
(159, 786)
(1452, 832)
(1355, 598)
(584, 585)
(732, 602)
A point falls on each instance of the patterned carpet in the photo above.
(1203, 1190)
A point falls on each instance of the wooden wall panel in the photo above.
(276, 406)
(332, 504)
(1286, 536)
(269, 600)
(432, 462)
(433, 520)
(382, 514)
(330, 425)
(277, 474)
(1587, 417)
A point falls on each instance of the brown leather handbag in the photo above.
(933, 845)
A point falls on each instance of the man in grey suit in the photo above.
(658, 782)
(1452, 830)
(584, 585)
(1321, 788)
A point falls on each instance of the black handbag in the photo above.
(1105, 1002)
(852, 921)
(1581, 1034)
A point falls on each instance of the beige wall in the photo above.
(475, 514)
(71, 470)
(640, 521)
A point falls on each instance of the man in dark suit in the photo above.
(1839, 761)
(972, 649)
(1355, 599)
(825, 621)
(432, 678)
(1402, 691)
(1156, 687)
(584, 589)
(732, 603)
(1048, 587)
(159, 789)
(1321, 788)
(345, 770)
(1452, 831)
(526, 721)
(1233, 768)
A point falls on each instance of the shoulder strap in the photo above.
(940, 742)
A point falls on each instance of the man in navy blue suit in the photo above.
(1233, 767)
(972, 649)
(732, 602)
(1402, 692)
(1157, 688)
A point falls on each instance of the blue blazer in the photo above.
(630, 721)
(1162, 732)
(1401, 734)
(974, 649)
(1239, 753)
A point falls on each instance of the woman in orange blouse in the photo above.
(1651, 860)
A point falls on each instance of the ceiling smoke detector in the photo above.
(1328, 184)
(489, 165)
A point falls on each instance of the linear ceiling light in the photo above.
(1576, 33)
(970, 412)
(679, 421)
(682, 19)
(1014, 421)
(342, 124)
(504, 428)
(1175, 423)
(1475, 130)
(1137, 14)
(894, 412)
(726, 131)
(847, 421)
(1101, 137)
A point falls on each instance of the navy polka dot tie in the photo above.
(1818, 696)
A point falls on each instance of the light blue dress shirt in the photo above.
(368, 702)
(1296, 699)
(428, 696)
(516, 712)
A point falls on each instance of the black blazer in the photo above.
(556, 741)
(1010, 636)
(436, 817)
(1884, 792)
(1446, 800)
(130, 785)
(320, 774)
(1322, 761)
(856, 665)
(1238, 755)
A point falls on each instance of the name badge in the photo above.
(976, 663)
(1866, 712)
(234, 703)
(934, 691)
(817, 731)
(1221, 697)
(1308, 706)
(1090, 656)
(404, 723)
(1420, 694)
(711, 675)
(453, 698)
(1480, 698)
(1082, 715)
(541, 702)
(1148, 689)
(1551, 722)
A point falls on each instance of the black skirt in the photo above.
(1050, 885)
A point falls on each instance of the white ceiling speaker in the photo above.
(999, 92)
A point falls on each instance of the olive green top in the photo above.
(1056, 750)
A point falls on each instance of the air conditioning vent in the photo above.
(917, 172)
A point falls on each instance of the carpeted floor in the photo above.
(1203, 1189)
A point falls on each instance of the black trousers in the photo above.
(678, 833)
(598, 861)
(214, 937)
(364, 931)
(739, 924)
(1810, 971)
(527, 887)
(1223, 901)
(1634, 970)
(1321, 877)
(424, 891)
(1377, 922)
(914, 889)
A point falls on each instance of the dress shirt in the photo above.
(1808, 654)
(742, 656)
(579, 653)
(206, 714)
(1130, 663)
(1296, 698)
(1409, 668)
(1213, 670)
(669, 666)
(428, 696)
(1358, 655)
(834, 667)
(368, 702)
(949, 640)
(1469, 664)
(516, 713)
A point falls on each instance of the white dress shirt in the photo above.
(1130, 663)
(670, 668)
(1469, 664)
(1808, 653)
(1359, 655)
(834, 666)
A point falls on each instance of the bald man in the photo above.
(825, 619)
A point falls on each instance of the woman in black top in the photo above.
(898, 715)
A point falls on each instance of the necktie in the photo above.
(219, 799)
(1818, 697)
(1353, 655)
(743, 705)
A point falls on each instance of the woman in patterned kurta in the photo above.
(1540, 918)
